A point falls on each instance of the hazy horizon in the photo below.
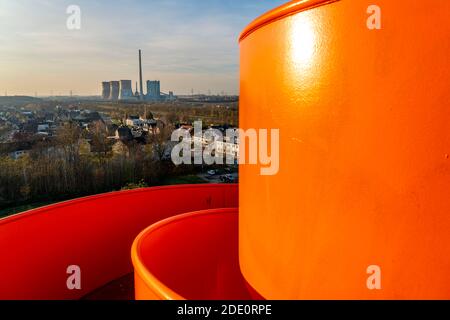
(186, 44)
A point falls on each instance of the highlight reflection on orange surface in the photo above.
(364, 169)
(303, 43)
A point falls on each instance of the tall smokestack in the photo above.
(141, 92)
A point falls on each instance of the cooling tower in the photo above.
(114, 90)
(106, 90)
(126, 92)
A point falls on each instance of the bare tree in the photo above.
(159, 141)
(99, 136)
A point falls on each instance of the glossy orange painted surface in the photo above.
(192, 256)
(364, 174)
(96, 233)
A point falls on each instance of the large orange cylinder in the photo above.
(364, 174)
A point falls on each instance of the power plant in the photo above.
(122, 90)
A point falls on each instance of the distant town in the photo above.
(58, 148)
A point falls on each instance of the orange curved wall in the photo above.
(364, 174)
(192, 256)
(95, 233)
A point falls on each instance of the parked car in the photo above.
(228, 178)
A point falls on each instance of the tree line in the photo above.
(60, 170)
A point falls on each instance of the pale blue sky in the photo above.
(186, 44)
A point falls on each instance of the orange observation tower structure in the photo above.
(360, 205)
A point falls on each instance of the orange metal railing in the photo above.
(192, 256)
(96, 233)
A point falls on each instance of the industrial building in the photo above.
(153, 90)
(122, 90)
